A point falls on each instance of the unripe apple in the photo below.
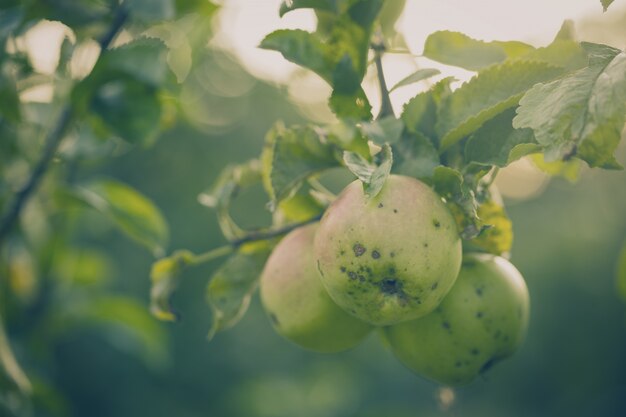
(297, 303)
(389, 258)
(480, 322)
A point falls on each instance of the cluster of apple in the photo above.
(395, 263)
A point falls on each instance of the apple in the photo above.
(480, 322)
(389, 258)
(297, 303)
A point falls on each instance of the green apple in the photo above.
(481, 321)
(297, 303)
(390, 258)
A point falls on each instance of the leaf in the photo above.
(488, 94)
(563, 53)
(420, 113)
(621, 273)
(419, 75)
(232, 285)
(334, 6)
(165, 276)
(151, 10)
(454, 48)
(11, 373)
(386, 130)
(570, 169)
(606, 4)
(10, 20)
(355, 106)
(415, 156)
(498, 143)
(130, 211)
(291, 155)
(582, 113)
(373, 175)
(497, 238)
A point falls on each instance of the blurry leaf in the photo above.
(10, 371)
(562, 53)
(10, 20)
(454, 48)
(498, 143)
(349, 137)
(165, 276)
(10, 106)
(150, 10)
(497, 238)
(223, 191)
(133, 213)
(386, 130)
(334, 6)
(488, 94)
(300, 207)
(606, 4)
(354, 106)
(460, 199)
(419, 75)
(82, 266)
(570, 169)
(291, 155)
(388, 17)
(621, 273)
(206, 8)
(415, 156)
(232, 285)
(373, 175)
(567, 32)
(580, 114)
(22, 277)
(132, 328)
(420, 113)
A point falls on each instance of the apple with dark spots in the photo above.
(480, 322)
(389, 258)
(297, 303)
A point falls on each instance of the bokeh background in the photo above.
(567, 240)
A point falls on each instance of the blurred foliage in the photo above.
(73, 288)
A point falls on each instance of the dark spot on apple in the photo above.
(380, 205)
(352, 275)
(395, 210)
(392, 270)
(342, 269)
(274, 319)
(487, 365)
(445, 325)
(361, 278)
(458, 364)
(358, 249)
(392, 254)
(425, 245)
(479, 315)
(390, 286)
(434, 286)
(436, 223)
(479, 292)
(474, 351)
(375, 254)
(342, 252)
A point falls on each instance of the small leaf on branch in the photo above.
(415, 156)
(420, 113)
(454, 48)
(373, 175)
(417, 76)
(386, 130)
(488, 94)
(232, 285)
(165, 276)
(582, 113)
(130, 211)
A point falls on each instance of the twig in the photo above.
(54, 138)
(386, 109)
(268, 234)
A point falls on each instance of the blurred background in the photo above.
(567, 242)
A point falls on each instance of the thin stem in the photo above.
(386, 109)
(213, 254)
(53, 140)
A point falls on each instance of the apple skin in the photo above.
(297, 303)
(480, 322)
(390, 258)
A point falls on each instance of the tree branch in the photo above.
(386, 109)
(54, 138)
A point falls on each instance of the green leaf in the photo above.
(563, 53)
(292, 155)
(349, 137)
(420, 113)
(415, 156)
(606, 4)
(488, 94)
(498, 143)
(130, 211)
(353, 106)
(419, 75)
(302, 48)
(231, 287)
(165, 276)
(386, 130)
(582, 113)
(570, 169)
(454, 48)
(333, 6)
(497, 236)
(621, 273)
(12, 377)
(10, 20)
(151, 10)
(373, 175)
(222, 193)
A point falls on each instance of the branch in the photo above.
(268, 234)
(54, 138)
(386, 109)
